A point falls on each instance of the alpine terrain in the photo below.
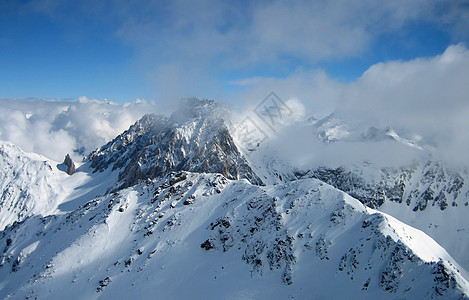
(176, 208)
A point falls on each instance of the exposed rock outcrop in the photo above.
(70, 165)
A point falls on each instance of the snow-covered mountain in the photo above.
(172, 208)
(333, 129)
(29, 184)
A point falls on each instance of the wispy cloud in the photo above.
(207, 41)
(424, 96)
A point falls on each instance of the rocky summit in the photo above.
(194, 138)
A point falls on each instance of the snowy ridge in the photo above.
(219, 238)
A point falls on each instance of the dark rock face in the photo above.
(120, 150)
(69, 164)
(195, 138)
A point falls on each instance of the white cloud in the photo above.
(55, 128)
(267, 31)
(299, 146)
(424, 96)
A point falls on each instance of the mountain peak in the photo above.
(195, 138)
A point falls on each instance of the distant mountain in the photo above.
(333, 129)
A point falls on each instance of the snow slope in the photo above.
(31, 184)
(427, 196)
(201, 235)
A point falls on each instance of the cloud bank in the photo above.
(55, 128)
(424, 100)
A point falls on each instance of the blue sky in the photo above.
(163, 50)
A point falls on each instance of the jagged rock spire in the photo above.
(68, 162)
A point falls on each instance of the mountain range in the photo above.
(175, 207)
